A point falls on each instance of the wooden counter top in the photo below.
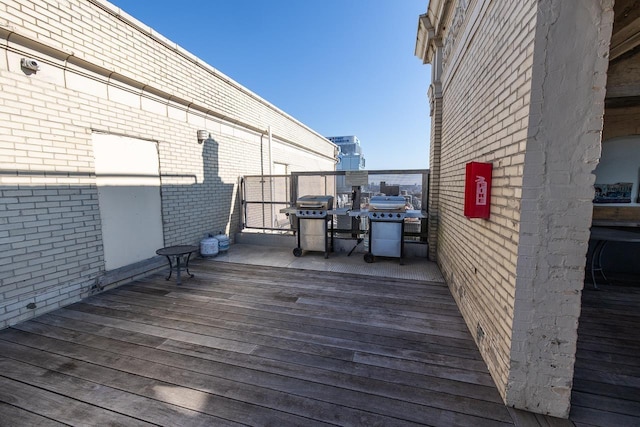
(616, 216)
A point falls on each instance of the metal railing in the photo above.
(264, 196)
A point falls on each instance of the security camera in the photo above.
(30, 64)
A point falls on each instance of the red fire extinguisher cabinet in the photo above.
(477, 190)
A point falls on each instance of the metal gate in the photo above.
(263, 196)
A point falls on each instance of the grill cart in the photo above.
(386, 227)
(313, 220)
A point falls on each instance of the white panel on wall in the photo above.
(128, 180)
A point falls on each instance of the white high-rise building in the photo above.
(350, 154)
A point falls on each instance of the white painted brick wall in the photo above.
(517, 276)
(479, 123)
(94, 62)
(563, 148)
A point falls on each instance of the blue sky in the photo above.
(342, 67)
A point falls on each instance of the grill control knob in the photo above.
(398, 215)
(307, 212)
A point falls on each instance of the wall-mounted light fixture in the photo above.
(30, 64)
(203, 135)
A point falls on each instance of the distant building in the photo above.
(350, 155)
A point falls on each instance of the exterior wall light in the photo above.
(203, 135)
(30, 64)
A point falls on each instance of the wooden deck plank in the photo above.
(374, 404)
(193, 333)
(433, 399)
(15, 416)
(227, 305)
(616, 391)
(409, 365)
(388, 294)
(58, 407)
(270, 276)
(599, 418)
(429, 375)
(99, 395)
(348, 330)
(358, 337)
(386, 299)
(203, 330)
(287, 301)
(324, 314)
(391, 293)
(606, 388)
(605, 403)
(180, 387)
(611, 367)
(587, 345)
(530, 419)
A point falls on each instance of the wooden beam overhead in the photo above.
(626, 28)
(625, 102)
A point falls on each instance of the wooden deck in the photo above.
(606, 386)
(255, 345)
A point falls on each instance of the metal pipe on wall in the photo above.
(270, 150)
(272, 184)
(262, 174)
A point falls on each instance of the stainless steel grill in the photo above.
(387, 208)
(313, 206)
(313, 218)
(386, 227)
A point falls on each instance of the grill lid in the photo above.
(316, 202)
(387, 203)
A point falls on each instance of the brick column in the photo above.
(435, 97)
(562, 150)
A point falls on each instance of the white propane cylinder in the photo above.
(223, 242)
(209, 246)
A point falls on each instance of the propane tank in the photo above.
(209, 246)
(223, 242)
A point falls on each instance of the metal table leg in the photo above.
(170, 268)
(186, 266)
(178, 266)
(596, 262)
